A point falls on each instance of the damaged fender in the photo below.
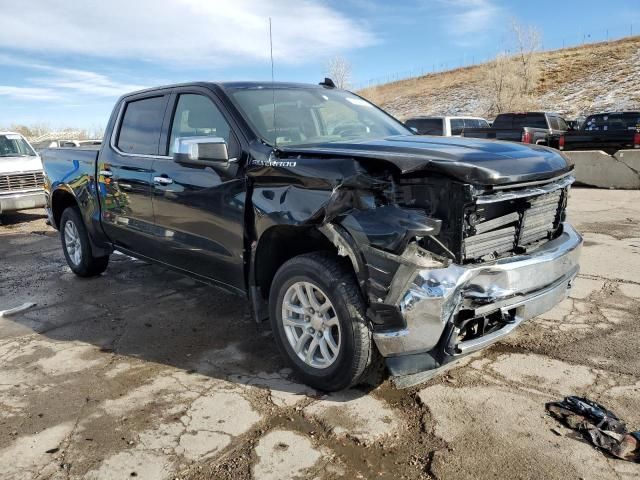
(354, 209)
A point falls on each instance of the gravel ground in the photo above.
(142, 373)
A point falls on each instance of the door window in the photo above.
(457, 125)
(140, 127)
(196, 116)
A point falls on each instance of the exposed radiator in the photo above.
(538, 220)
(530, 223)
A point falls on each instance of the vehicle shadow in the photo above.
(21, 216)
(145, 312)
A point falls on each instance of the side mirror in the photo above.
(201, 150)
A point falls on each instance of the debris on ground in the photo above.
(14, 310)
(601, 426)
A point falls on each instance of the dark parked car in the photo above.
(355, 237)
(537, 128)
(608, 132)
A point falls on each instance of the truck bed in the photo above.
(70, 164)
(608, 141)
(509, 134)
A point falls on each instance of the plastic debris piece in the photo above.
(12, 311)
(599, 425)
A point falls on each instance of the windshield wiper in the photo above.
(14, 155)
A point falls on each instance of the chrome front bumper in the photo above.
(523, 286)
(12, 201)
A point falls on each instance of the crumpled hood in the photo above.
(19, 164)
(481, 162)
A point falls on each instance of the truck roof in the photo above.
(428, 117)
(229, 86)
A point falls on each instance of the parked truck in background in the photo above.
(21, 175)
(608, 132)
(538, 128)
(444, 126)
(355, 237)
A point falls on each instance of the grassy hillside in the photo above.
(573, 81)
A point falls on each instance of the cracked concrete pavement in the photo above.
(142, 373)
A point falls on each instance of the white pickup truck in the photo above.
(21, 175)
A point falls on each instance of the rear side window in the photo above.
(520, 120)
(629, 121)
(475, 123)
(457, 125)
(426, 126)
(141, 125)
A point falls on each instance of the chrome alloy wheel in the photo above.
(311, 325)
(72, 242)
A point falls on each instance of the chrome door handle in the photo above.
(106, 173)
(163, 180)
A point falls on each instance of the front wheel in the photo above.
(317, 317)
(76, 245)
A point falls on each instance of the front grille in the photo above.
(530, 221)
(15, 182)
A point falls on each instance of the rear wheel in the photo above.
(317, 316)
(76, 245)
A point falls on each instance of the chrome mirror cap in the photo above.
(201, 149)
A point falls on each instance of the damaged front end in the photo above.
(446, 267)
(498, 257)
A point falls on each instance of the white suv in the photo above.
(21, 175)
(444, 126)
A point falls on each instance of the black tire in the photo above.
(356, 349)
(88, 265)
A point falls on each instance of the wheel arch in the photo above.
(61, 199)
(283, 242)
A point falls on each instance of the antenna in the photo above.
(273, 88)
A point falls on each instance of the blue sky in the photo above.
(64, 63)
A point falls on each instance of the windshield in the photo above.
(308, 116)
(13, 145)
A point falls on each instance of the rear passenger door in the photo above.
(125, 173)
(199, 210)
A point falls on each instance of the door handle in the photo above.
(163, 180)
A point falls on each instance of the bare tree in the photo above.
(338, 69)
(511, 78)
(527, 41)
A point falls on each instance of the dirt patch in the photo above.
(618, 230)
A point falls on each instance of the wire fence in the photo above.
(604, 34)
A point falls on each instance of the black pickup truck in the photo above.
(538, 128)
(608, 132)
(355, 237)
